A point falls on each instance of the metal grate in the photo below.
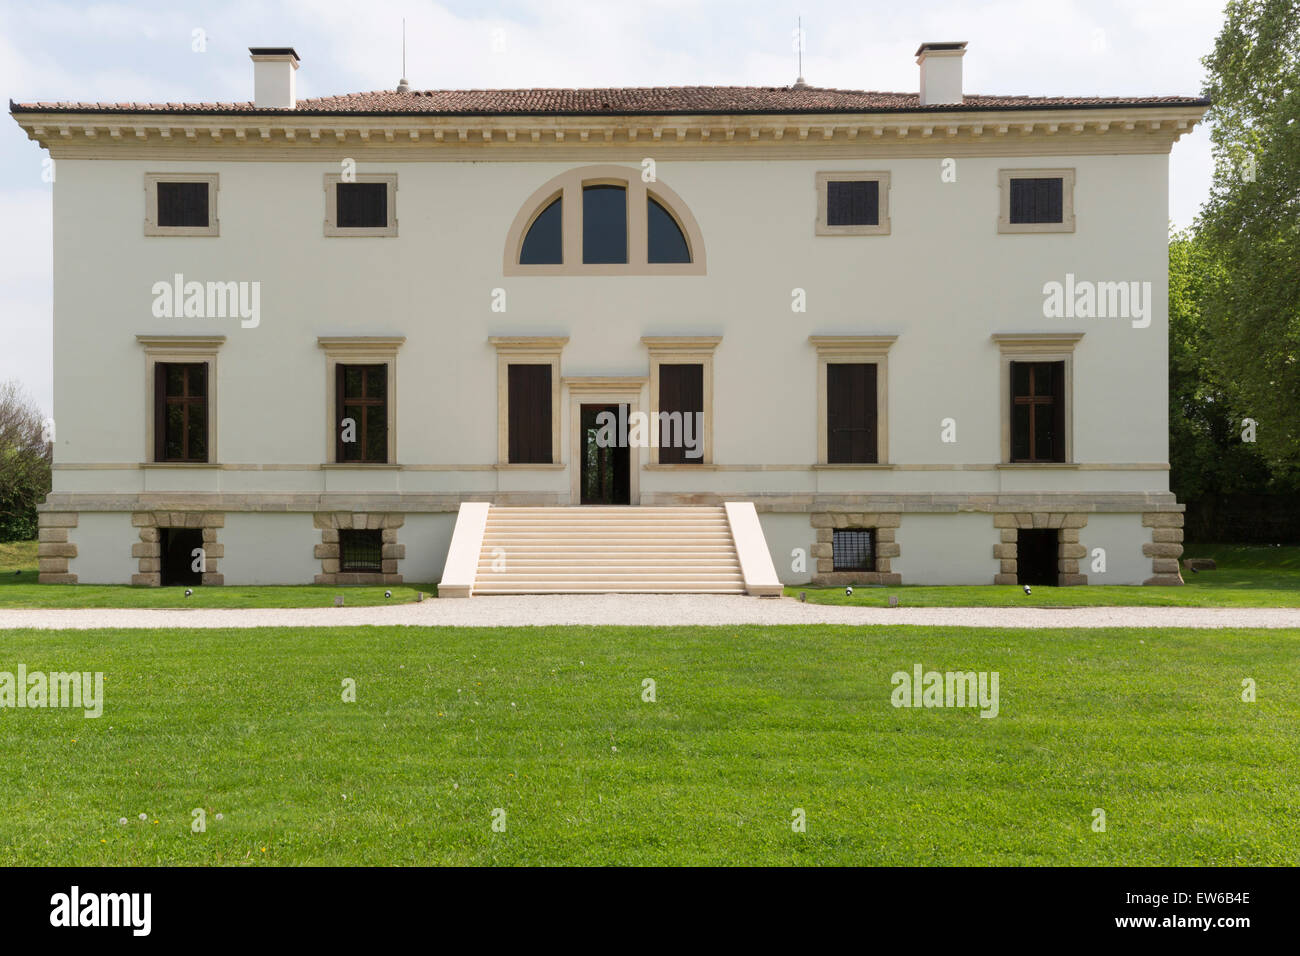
(854, 549)
(361, 552)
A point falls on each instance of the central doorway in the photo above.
(606, 471)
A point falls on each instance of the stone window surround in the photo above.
(885, 525)
(851, 349)
(359, 350)
(568, 187)
(527, 350)
(823, 192)
(1036, 347)
(331, 207)
(681, 350)
(1007, 227)
(186, 349)
(151, 181)
(149, 548)
(53, 549)
(329, 524)
(1068, 553)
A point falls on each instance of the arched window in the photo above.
(604, 220)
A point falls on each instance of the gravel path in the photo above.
(649, 609)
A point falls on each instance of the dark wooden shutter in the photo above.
(851, 413)
(529, 415)
(182, 204)
(1037, 199)
(681, 389)
(340, 395)
(1058, 411)
(160, 411)
(361, 205)
(853, 203)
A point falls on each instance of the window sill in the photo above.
(1034, 465)
(179, 464)
(679, 466)
(529, 466)
(363, 465)
(853, 466)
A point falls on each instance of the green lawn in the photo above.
(749, 724)
(19, 588)
(1247, 576)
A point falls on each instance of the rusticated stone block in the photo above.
(1009, 566)
(56, 519)
(213, 551)
(1162, 519)
(840, 520)
(1153, 550)
(142, 519)
(329, 535)
(822, 520)
(214, 519)
(1025, 521)
(146, 549)
(329, 565)
(177, 519)
(392, 579)
(374, 522)
(323, 520)
(1004, 578)
(889, 520)
(57, 578)
(212, 579)
(1169, 580)
(885, 535)
(1167, 535)
(326, 551)
(148, 580)
(55, 549)
(1069, 536)
(1009, 535)
(194, 519)
(209, 534)
(825, 535)
(1074, 520)
(343, 521)
(1071, 580)
(150, 565)
(1067, 566)
(1164, 565)
(1073, 551)
(1040, 519)
(1005, 520)
(1004, 551)
(388, 566)
(822, 550)
(51, 534)
(52, 565)
(150, 534)
(359, 519)
(887, 550)
(882, 565)
(394, 521)
(825, 565)
(1055, 520)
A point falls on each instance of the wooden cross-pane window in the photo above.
(851, 413)
(681, 395)
(529, 414)
(1038, 411)
(362, 404)
(181, 411)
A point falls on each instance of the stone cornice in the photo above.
(235, 136)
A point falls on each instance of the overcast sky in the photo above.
(143, 51)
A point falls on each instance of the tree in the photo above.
(1250, 306)
(25, 459)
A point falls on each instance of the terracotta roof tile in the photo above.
(654, 100)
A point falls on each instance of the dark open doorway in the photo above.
(606, 458)
(178, 559)
(1036, 556)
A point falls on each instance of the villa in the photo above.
(664, 339)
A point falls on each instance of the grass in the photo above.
(749, 724)
(19, 588)
(1247, 576)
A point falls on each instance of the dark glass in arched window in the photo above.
(604, 224)
(667, 244)
(543, 245)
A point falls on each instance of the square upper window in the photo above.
(181, 204)
(362, 205)
(853, 204)
(1036, 200)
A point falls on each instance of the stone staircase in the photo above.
(608, 549)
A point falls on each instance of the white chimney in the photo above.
(940, 72)
(273, 82)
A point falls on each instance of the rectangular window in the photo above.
(1037, 200)
(854, 549)
(529, 414)
(361, 552)
(362, 205)
(851, 413)
(361, 401)
(181, 412)
(1038, 411)
(183, 204)
(604, 224)
(853, 203)
(681, 414)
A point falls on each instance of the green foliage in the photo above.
(1249, 324)
(24, 464)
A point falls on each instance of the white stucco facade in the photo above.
(944, 281)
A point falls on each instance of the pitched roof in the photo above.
(624, 101)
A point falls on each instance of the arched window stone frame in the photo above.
(568, 186)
